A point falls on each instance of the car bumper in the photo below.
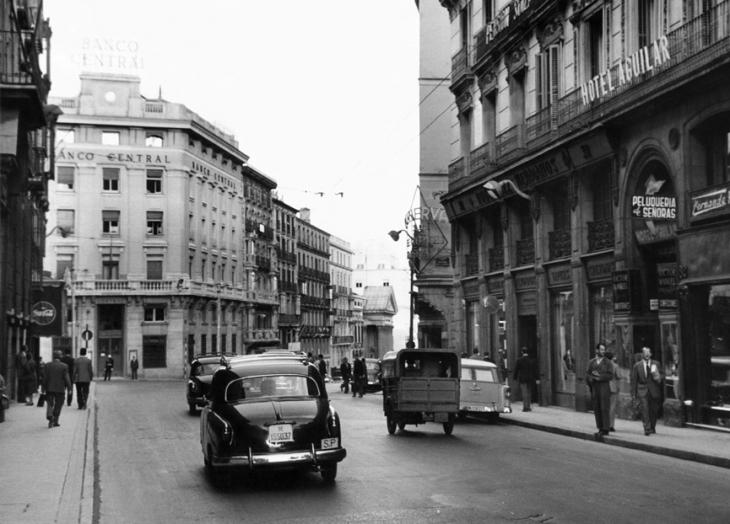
(313, 457)
(487, 409)
(197, 401)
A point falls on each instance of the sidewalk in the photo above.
(42, 470)
(699, 445)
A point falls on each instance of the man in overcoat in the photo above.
(83, 375)
(598, 377)
(55, 384)
(526, 374)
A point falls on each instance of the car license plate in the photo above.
(281, 433)
(329, 443)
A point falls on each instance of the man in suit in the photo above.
(69, 361)
(83, 374)
(598, 378)
(646, 380)
(55, 384)
(525, 374)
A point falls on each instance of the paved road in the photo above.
(150, 469)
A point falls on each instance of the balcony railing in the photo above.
(456, 170)
(460, 65)
(541, 124)
(343, 339)
(253, 335)
(559, 243)
(496, 258)
(525, 252)
(480, 161)
(288, 319)
(512, 140)
(19, 63)
(600, 235)
(471, 264)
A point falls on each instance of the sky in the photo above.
(322, 94)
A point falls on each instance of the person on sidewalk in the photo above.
(360, 373)
(69, 361)
(56, 382)
(525, 373)
(134, 366)
(346, 372)
(30, 379)
(83, 375)
(322, 365)
(613, 386)
(2, 399)
(108, 368)
(599, 375)
(646, 380)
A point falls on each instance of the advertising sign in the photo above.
(710, 203)
(654, 206)
(47, 309)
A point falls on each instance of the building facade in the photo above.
(587, 191)
(340, 268)
(314, 285)
(163, 231)
(286, 253)
(26, 157)
(429, 225)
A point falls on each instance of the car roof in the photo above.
(208, 359)
(474, 363)
(391, 355)
(265, 365)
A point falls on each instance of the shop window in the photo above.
(719, 309)
(110, 179)
(670, 359)
(601, 312)
(110, 138)
(110, 222)
(154, 313)
(563, 356)
(154, 181)
(65, 177)
(154, 223)
(154, 351)
(718, 152)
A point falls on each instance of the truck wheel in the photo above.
(449, 426)
(191, 408)
(390, 421)
(401, 425)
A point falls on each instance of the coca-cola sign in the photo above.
(43, 313)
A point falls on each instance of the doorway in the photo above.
(111, 338)
(527, 337)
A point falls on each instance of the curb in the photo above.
(710, 460)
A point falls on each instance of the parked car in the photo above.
(270, 412)
(482, 391)
(201, 373)
(372, 367)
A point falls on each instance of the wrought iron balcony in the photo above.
(496, 258)
(559, 243)
(460, 70)
(510, 141)
(600, 235)
(19, 62)
(288, 319)
(540, 126)
(456, 170)
(480, 161)
(526, 252)
(471, 264)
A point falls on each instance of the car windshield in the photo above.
(372, 366)
(204, 369)
(271, 386)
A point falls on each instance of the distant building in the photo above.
(286, 250)
(340, 265)
(378, 312)
(165, 230)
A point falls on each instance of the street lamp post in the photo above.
(218, 319)
(395, 235)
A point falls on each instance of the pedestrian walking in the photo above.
(322, 365)
(598, 376)
(29, 379)
(613, 386)
(55, 385)
(646, 380)
(82, 377)
(3, 399)
(134, 366)
(108, 368)
(346, 372)
(526, 374)
(69, 361)
(359, 372)
(20, 360)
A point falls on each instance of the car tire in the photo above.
(449, 426)
(192, 409)
(401, 426)
(329, 473)
(390, 422)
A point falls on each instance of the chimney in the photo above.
(304, 214)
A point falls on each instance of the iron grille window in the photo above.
(65, 177)
(154, 181)
(110, 222)
(110, 176)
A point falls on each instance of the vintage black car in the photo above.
(270, 412)
(199, 378)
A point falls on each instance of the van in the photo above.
(482, 391)
(372, 367)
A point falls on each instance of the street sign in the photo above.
(87, 335)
